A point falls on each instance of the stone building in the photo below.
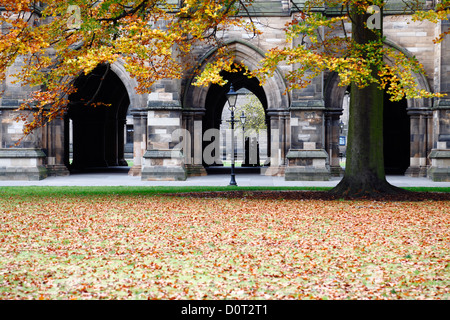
(303, 126)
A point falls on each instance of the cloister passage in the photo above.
(98, 113)
(216, 102)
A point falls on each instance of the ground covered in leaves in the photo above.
(228, 245)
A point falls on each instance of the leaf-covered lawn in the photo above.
(236, 247)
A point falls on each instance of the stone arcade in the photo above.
(303, 126)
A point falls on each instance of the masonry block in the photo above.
(309, 165)
(440, 165)
(22, 164)
(163, 165)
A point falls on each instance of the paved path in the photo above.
(242, 179)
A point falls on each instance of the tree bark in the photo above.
(364, 171)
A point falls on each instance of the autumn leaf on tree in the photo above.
(60, 40)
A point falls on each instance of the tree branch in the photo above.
(102, 79)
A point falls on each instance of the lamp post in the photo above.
(341, 127)
(243, 119)
(232, 97)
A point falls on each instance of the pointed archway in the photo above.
(216, 101)
(98, 113)
(202, 106)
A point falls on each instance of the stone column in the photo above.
(278, 142)
(164, 159)
(307, 158)
(414, 167)
(139, 140)
(192, 122)
(429, 143)
(285, 130)
(332, 117)
(54, 147)
(440, 154)
(1, 130)
(420, 141)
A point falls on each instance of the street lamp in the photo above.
(243, 119)
(232, 97)
(341, 126)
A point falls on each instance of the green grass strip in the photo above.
(154, 190)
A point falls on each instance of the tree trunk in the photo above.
(364, 171)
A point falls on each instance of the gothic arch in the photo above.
(136, 100)
(205, 104)
(250, 56)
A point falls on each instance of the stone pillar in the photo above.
(286, 134)
(414, 167)
(54, 146)
(163, 159)
(192, 122)
(420, 141)
(429, 144)
(1, 130)
(332, 129)
(308, 159)
(422, 144)
(440, 154)
(139, 140)
(278, 143)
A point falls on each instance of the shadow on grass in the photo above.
(302, 195)
(291, 193)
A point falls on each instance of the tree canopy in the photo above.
(60, 40)
(254, 113)
(321, 43)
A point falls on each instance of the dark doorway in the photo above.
(396, 136)
(98, 113)
(215, 103)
